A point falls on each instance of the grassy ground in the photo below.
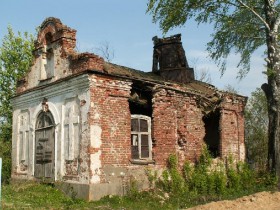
(173, 190)
(30, 195)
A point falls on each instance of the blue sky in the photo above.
(128, 30)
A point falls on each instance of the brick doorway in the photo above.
(212, 132)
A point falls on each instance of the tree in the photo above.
(15, 59)
(105, 51)
(201, 74)
(256, 125)
(231, 89)
(241, 26)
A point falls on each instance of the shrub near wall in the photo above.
(210, 179)
(5, 154)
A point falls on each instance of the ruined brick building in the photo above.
(93, 125)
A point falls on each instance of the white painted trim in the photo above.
(144, 117)
(71, 86)
(27, 138)
(62, 160)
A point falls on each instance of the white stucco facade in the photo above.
(73, 92)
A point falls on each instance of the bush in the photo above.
(172, 180)
(5, 154)
(208, 181)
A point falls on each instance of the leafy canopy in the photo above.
(15, 59)
(239, 25)
(256, 127)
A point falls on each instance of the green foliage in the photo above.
(172, 181)
(248, 176)
(209, 180)
(31, 195)
(256, 127)
(220, 182)
(205, 180)
(5, 154)
(152, 177)
(233, 178)
(133, 190)
(193, 188)
(239, 26)
(267, 179)
(205, 159)
(15, 59)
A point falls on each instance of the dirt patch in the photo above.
(258, 201)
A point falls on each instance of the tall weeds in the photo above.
(210, 180)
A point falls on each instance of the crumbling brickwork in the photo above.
(110, 123)
(232, 128)
(178, 126)
(169, 59)
(110, 116)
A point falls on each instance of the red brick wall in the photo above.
(85, 61)
(232, 129)
(109, 99)
(163, 126)
(177, 127)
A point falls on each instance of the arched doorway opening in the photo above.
(45, 146)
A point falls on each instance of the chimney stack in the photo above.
(169, 59)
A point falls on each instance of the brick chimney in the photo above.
(169, 59)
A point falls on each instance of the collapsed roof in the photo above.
(170, 68)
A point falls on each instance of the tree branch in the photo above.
(219, 14)
(254, 12)
(232, 4)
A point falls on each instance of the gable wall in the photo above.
(61, 69)
(71, 94)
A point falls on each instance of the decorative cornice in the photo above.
(55, 89)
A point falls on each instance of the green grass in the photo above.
(175, 189)
(31, 195)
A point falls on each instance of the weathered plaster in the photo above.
(91, 101)
(95, 165)
(95, 136)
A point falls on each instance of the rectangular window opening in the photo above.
(141, 141)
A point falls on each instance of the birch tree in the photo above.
(240, 26)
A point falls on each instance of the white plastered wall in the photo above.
(56, 96)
